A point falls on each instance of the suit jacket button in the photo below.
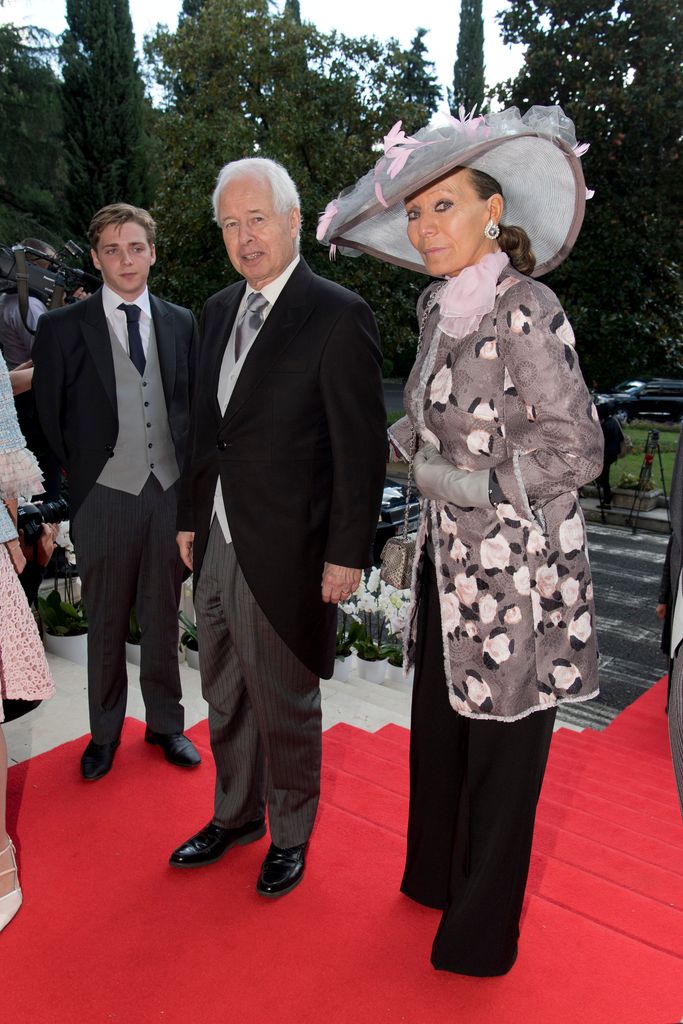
(222, 445)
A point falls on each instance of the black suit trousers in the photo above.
(474, 786)
(127, 556)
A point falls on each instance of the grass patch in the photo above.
(668, 442)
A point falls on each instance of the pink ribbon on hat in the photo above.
(325, 219)
(468, 296)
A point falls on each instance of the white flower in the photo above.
(63, 540)
(450, 612)
(570, 591)
(536, 608)
(566, 334)
(485, 411)
(546, 580)
(488, 606)
(536, 542)
(477, 690)
(564, 676)
(479, 442)
(495, 552)
(519, 323)
(441, 387)
(571, 534)
(580, 629)
(496, 649)
(466, 588)
(521, 580)
(373, 580)
(512, 615)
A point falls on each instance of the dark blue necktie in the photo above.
(135, 349)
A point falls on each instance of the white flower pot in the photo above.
(192, 658)
(395, 677)
(342, 668)
(132, 653)
(72, 648)
(371, 671)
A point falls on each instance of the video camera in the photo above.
(30, 518)
(18, 273)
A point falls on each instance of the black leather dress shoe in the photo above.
(97, 759)
(209, 844)
(281, 871)
(176, 747)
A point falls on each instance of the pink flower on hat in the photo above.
(325, 219)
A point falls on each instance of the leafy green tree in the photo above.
(104, 112)
(615, 69)
(412, 82)
(235, 86)
(32, 169)
(468, 72)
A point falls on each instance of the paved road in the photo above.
(626, 573)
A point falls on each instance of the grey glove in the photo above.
(438, 480)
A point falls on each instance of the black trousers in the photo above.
(474, 786)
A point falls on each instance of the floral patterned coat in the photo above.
(514, 581)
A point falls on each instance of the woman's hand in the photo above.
(17, 555)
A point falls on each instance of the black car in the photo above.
(657, 398)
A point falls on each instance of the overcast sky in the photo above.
(380, 18)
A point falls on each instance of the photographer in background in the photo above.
(16, 342)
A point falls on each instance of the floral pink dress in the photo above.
(23, 669)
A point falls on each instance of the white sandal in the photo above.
(10, 903)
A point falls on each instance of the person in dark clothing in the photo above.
(613, 435)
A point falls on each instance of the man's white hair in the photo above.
(283, 190)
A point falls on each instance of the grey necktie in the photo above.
(250, 323)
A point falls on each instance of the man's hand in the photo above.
(185, 541)
(339, 582)
(660, 611)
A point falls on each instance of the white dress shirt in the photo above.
(117, 318)
(230, 370)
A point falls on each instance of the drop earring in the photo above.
(491, 230)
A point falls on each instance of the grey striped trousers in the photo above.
(265, 721)
(676, 722)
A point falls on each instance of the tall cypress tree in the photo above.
(468, 72)
(293, 9)
(103, 104)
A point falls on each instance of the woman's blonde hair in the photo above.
(512, 240)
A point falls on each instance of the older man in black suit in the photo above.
(279, 504)
(112, 383)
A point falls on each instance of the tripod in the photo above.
(651, 449)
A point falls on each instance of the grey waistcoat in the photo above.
(144, 444)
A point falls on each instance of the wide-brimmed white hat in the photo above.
(534, 158)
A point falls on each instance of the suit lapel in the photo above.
(290, 312)
(98, 343)
(225, 318)
(164, 328)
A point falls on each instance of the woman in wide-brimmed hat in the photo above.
(502, 624)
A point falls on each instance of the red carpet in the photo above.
(109, 933)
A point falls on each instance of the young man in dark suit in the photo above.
(279, 503)
(113, 380)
